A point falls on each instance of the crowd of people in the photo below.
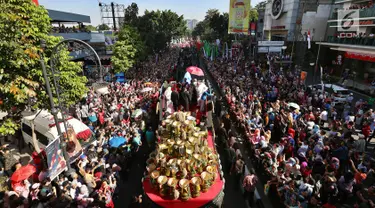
(123, 110)
(314, 152)
(369, 5)
(73, 29)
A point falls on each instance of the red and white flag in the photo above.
(308, 39)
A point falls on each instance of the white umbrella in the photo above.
(137, 113)
(101, 88)
(293, 105)
(146, 89)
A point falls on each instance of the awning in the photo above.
(360, 56)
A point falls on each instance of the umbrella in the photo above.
(193, 70)
(137, 113)
(146, 89)
(117, 141)
(293, 105)
(23, 173)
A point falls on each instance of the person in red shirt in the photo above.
(366, 131)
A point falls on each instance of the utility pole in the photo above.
(113, 16)
(316, 62)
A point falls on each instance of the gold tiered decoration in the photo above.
(182, 165)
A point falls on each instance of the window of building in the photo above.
(260, 20)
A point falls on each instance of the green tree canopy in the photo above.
(22, 27)
(126, 49)
(261, 5)
(90, 28)
(215, 25)
(103, 27)
(131, 15)
(146, 34)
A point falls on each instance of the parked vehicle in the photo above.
(46, 130)
(339, 94)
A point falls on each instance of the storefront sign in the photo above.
(278, 27)
(270, 43)
(277, 8)
(366, 22)
(347, 35)
(303, 76)
(274, 49)
(252, 29)
(262, 49)
(360, 56)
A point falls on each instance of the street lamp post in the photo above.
(54, 110)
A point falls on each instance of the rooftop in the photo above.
(60, 16)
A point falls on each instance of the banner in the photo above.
(321, 79)
(359, 56)
(239, 11)
(226, 50)
(55, 159)
(73, 147)
(303, 76)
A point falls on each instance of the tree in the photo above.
(261, 5)
(90, 28)
(103, 27)
(125, 49)
(253, 15)
(22, 27)
(131, 15)
(215, 26)
(157, 28)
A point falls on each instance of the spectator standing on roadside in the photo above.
(249, 185)
(237, 169)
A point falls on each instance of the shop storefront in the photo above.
(361, 68)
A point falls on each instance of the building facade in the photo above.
(260, 24)
(290, 20)
(350, 50)
(191, 23)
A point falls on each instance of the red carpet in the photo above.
(200, 201)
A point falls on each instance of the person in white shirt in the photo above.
(84, 112)
(349, 99)
(324, 116)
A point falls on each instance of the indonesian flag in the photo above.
(36, 2)
(308, 39)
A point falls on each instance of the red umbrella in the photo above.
(193, 70)
(23, 173)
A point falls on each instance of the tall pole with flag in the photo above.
(308, 39)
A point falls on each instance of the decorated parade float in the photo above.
(184, 170)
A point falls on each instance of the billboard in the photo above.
(239, 11)
(55, 159)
